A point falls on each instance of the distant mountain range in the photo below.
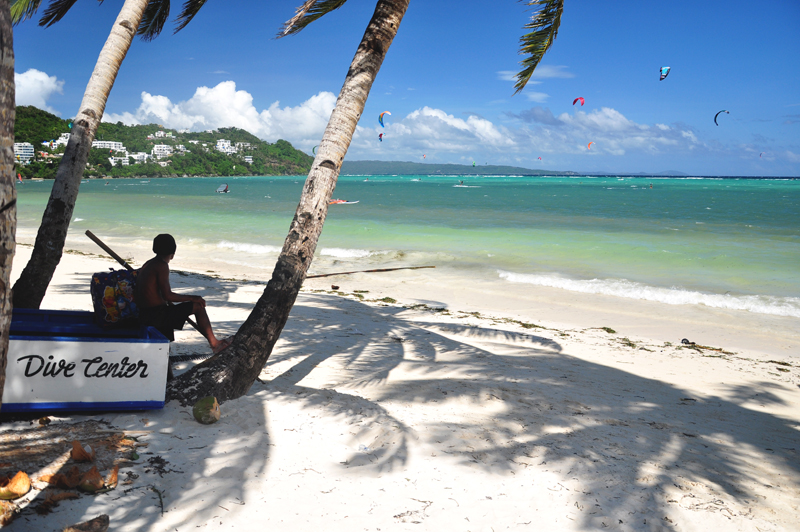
(410, 168)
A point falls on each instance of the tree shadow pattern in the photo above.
(638, 445)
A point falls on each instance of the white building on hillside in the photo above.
(23, 151)
(108, 145)
(161, 150)
(224, 146)
(141, 157)
(243, 146)
(248, 159)
(122, 161)
(61, 141)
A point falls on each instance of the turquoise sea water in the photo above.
(732, 243)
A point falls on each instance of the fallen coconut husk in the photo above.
(15, 487)
(98, 524)
(46, 450)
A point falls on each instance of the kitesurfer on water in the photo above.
(154, 295)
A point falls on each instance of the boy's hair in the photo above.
(164, 245)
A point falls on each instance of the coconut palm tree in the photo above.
(231, 373)
(145, 17)
(8, 192)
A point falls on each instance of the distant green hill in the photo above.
(409, 168)
(36, 126)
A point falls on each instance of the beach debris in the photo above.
(52, 500)
(98, 524)
(43, 421)
(609, 330)
(8, 511)
(91, 481)
(80, 453)
(15, 487)
(578, 99)
(334, 287)
(206, 410)
(69, 480)
(687, 342)
(664, 73)
(716, 115)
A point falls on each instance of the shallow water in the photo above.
(731, 243)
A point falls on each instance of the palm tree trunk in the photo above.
(8, 191)
(231, 373)
(35, 278)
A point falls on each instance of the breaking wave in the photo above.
(780, 306)
(256, 249)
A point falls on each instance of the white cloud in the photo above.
(224, 106)
(435, 132)
(609, 129)
(430, 130)
(538, 97)
(547, 71)
(34, 87)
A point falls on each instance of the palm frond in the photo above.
(22, 10)
(307, 13)
(155, 16)
(55, 12)
(544, 23)
(190, 9)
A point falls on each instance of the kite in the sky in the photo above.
(540, 158)
(664, 73)
(314, 150)
(590, 145)
(762, 153)
(716, 115)
(380, 117)
(578, 99)
(423, 155)
(380, 137)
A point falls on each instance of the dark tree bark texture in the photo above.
(8, 191)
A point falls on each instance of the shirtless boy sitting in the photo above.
(154, 295)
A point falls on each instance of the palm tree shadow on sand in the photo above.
(638, 445)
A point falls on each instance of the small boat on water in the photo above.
(341, 202)
(223, 189)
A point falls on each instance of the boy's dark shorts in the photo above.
(166, 318)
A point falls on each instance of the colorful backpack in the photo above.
(112, 298)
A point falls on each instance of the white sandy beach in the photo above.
(423, 415)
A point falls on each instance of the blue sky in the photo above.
(448, 82)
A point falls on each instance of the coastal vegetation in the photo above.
(202, 159)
